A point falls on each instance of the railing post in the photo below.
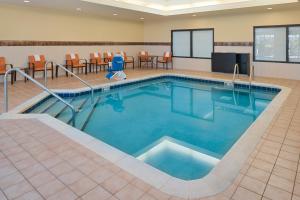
(73, 117)
(45, 81)
(92, 96)
(5, 103)
(235, 71)
(45, 72)
(251, 74)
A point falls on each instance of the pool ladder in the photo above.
(236, 73)
(14, 70)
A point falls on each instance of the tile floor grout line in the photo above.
(27, 180)
(279, 151)
(57, 178)
(295, 181)
(48, 170)
(5, 176)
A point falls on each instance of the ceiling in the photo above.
(175, 7)
(156, 9)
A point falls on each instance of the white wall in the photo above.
(229, 27)
(266, 69)
(18, 55)
(235, 27)
(30, 23)
(263, 69)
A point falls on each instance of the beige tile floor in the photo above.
(36, 162)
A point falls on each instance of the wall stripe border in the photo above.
(75, 43)
(241, 44)
(103, 43)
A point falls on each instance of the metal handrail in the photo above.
(251, 74)
(39, 85)
(45, 71)
(70, 72)
(235, 72)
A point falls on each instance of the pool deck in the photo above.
(37, 162)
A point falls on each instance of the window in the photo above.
(270, 44)
(277, 44)
(294, 44)
(181, 43)
(193, 43)
(202, 43)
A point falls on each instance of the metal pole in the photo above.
(5, 105)
(35, 82)
(45, 72)
(73, 117)
(45, 81)
(92, 97)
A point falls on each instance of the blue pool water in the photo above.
(181, 127)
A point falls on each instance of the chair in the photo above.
(97, 61)
(36, 63)
(126, 59)
(116, 68)
(108, 56)
(145, 58)
(165, 60)
(3, 69)
(73, 61)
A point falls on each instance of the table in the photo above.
(151, 59)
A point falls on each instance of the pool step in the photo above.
(84, 115)
(46, 105)
(66, 115)
(57, 108)
(65, 107)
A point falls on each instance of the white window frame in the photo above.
(287, 28)
(191, 42)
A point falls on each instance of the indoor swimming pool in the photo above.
(181, 126)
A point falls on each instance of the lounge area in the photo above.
(150, 100)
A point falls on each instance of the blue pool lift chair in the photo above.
(116, 67)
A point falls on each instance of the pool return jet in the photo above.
(115, 70)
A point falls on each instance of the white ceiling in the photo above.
(155, 9)
(86, 8)
(175, 7)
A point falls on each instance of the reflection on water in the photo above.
(204, 118)
(115, 101)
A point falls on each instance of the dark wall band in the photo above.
(102, 43)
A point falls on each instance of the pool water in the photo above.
(180, 127)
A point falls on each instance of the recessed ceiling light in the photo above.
(26, 1)
(78, 9)
(269, 8)
(115, 14)
(142, 18)
(194, 15)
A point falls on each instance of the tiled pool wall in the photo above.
(67, 94)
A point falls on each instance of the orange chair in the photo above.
(127, 59)
(36, 63)
(145, 58)
(3, 69)
(108, 56)
(165, 60)
(97, 61)
(73, 61)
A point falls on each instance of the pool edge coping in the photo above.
(221, 177)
